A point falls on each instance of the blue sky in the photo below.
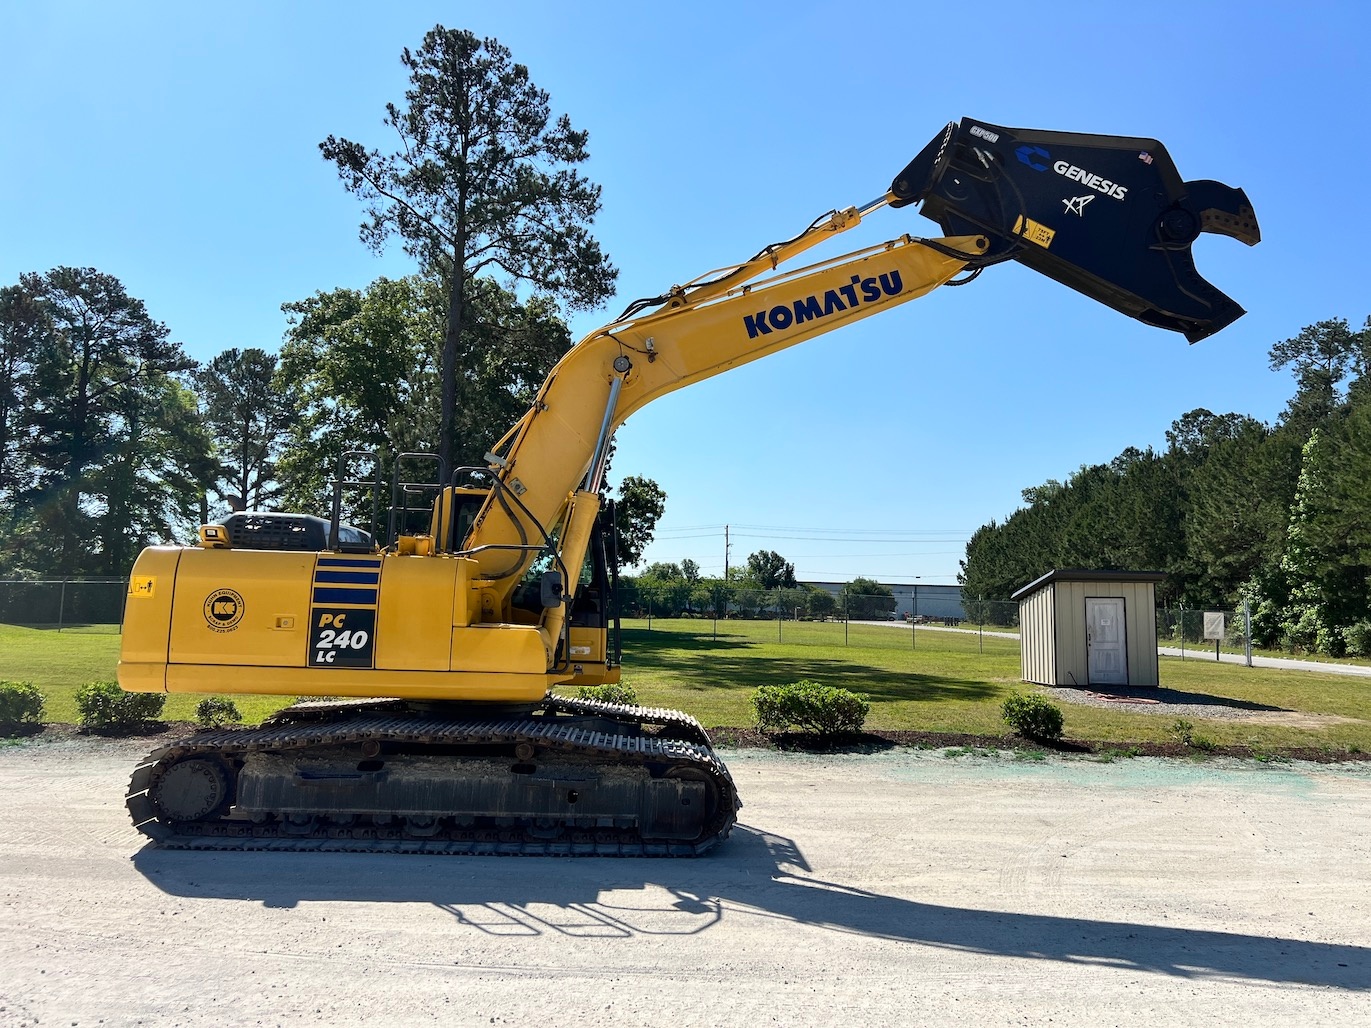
(175, 147)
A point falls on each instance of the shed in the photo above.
(1082, 627)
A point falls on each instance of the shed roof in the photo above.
(1086, 575)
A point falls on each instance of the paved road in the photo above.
(1289, 664)
(896, 889)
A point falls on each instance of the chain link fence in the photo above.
(820, 618)
(816, 616)
(1204, 634)
(67, 604)
(802, 615)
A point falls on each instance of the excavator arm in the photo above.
(1108, 216)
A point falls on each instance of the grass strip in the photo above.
(929, 681)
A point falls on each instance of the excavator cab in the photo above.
(589, 649)
(1048, 200)
(594, 614)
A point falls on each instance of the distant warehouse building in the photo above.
(1084, 628)
(930, 601)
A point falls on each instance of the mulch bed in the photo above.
(160, 733)
(874, 742)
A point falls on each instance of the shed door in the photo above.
(1107, 657)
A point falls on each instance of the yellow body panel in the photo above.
(322, 624)
(417, 685)
(587, 658)
(147, 611)
(241, 607)
(521, 649)
(415, 635)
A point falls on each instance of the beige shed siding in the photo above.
(1139, 624)
(1038, 645)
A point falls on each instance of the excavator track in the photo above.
(576, 777)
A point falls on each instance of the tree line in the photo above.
(112, 437)
(1233, 510)
(765, 587)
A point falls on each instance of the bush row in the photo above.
(1033, 717)
(809, 707)
(21, 703)
(803, 706)
(105, 705)
(615, 693)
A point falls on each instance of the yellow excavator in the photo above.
(438, 643)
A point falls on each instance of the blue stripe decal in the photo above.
(344, 562)
(365, 597)
(348, 577)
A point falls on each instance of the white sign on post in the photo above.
(1213, 625)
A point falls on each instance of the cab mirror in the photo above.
(553, 589)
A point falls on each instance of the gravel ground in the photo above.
(1176, 704)
(891, 888)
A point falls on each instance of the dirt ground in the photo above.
(889, 888)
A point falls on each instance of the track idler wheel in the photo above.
(192, 789)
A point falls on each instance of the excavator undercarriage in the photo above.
(574, 777)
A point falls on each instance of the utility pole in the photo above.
(716, 629)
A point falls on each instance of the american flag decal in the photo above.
(1145, 157)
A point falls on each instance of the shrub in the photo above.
(1185, 731)
(1203, 742)
(809, 707)
(1358, 638)
(617, 693)
(20, 703)
(104, 704)
(1033, 717)
(216, 712)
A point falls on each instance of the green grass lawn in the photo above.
(933, 681)
(59, 663)
(954, 682)
(1196, 649)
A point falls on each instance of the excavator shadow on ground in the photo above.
(753, 874)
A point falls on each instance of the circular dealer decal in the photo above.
(224, 609)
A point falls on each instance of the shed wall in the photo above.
(1140, 624)
(1038, 641)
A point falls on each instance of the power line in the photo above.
(825, 556)
(841, 539)
(897, 534)
(677, 536)
(858, 531)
